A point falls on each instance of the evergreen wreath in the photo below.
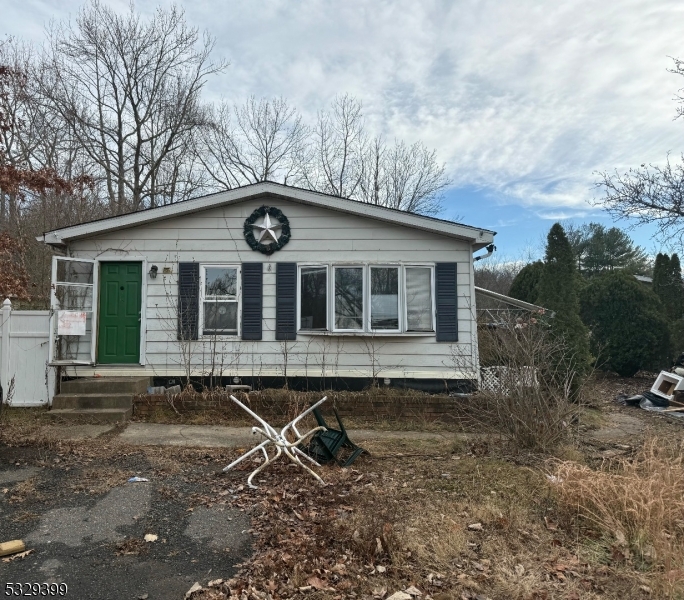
(261, 212)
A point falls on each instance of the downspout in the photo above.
(490, 250)
(474, 341)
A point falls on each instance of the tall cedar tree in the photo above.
(667, 284)
(558, 293)
(660, 270)
(676, 305)
(628, 329)
(525, 286)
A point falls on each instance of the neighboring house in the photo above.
(268, 281)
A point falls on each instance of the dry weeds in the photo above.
(637, 504)
(131, 547)
(25, 491)
(98, 481)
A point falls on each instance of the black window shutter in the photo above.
(252, 300)
(188, 300)
(286, 301)
(447, 309)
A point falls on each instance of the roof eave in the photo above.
(51, 239)
(479, 238)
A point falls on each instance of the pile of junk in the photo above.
(666, 394)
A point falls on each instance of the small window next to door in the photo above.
(120, 313)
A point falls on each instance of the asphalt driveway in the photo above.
(86, 525)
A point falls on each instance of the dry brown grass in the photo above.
(637, 504)
(98, 481)
(131, 547)
(25, 491)
(25, 516)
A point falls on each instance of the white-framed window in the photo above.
(313, 295)
(219, 306)
(366, 298)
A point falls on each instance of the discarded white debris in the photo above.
(137, 479)
(666, 383)
(196, 587)
(151, 537)
(380, 569)
(475, 527)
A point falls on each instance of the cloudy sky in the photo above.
(524, 101)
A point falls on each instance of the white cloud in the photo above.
(523, 99)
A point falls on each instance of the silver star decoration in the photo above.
(268, 228)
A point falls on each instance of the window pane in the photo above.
(74, 271)
(314, 298)
(72, 297)
(418, 299)
(220, 281)
(384, 298)
(220, 317)
(349, 298)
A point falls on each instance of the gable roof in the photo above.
(477, 236)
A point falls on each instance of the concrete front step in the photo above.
(99, 415)
(106, 385)
(92, 401)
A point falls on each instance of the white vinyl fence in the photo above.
(25, 376)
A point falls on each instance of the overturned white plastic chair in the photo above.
(280, 441)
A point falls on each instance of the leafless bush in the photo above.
(527, 394)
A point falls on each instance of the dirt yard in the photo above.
(462, 519)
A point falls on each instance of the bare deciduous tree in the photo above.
(649, 193)
(130, 91)
(340, 144)
(266, 140)
(403, 177)
(261, 140)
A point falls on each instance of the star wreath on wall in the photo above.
(261, 229)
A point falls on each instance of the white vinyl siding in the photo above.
(319, 236)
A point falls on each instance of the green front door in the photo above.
(118, 334)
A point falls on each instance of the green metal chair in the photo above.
(325, 446)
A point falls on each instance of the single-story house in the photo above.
(265, 282)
